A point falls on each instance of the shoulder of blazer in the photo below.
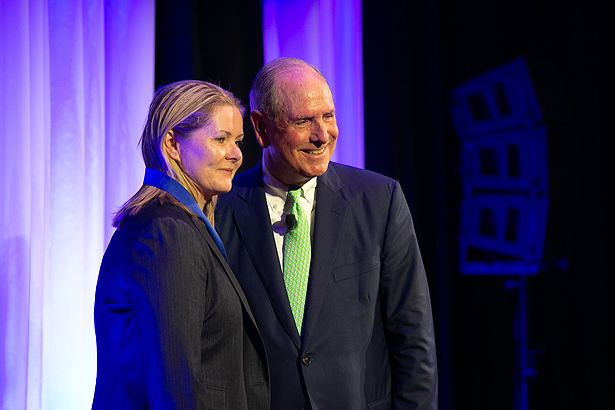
(250, 178)
(132, 225)
(244, 185)
(156, 209)
(137, 223)
(353, 179)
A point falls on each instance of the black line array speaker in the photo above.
(504, 173)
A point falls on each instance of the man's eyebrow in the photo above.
(309, 116)
(301, 117)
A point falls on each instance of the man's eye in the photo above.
(302, 122)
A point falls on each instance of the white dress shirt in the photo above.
(275, 194)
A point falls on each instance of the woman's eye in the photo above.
(221, 139)
(239, 143)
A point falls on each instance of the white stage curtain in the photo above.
(76, 78)
(327, 34)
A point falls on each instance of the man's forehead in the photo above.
(299, 76)
(303, 87)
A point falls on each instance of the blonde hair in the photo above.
(181, 107)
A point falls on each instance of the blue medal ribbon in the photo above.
(157, 179)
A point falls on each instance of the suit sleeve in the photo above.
(407, 311)
(167, 278)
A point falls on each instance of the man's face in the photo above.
(299, 145)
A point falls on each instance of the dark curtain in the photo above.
(215, 41)
(416, 53)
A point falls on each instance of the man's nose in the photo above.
(320, 134)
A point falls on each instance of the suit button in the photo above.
(307, 360)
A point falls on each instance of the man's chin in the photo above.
(316, 171)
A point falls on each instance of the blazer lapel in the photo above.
(329, 220)
(227, 269)
(252, 219)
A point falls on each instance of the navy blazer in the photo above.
(367, 340)
(173, 327)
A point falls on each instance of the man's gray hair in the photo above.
(264, 92)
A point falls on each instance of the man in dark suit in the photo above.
(353, 329)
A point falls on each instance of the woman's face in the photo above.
(211, 154)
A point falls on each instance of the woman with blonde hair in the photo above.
(173, 328)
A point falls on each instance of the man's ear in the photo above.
(171, 146)
(260, 128)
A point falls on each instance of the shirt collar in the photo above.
(275, 187)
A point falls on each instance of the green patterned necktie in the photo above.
(297, 255)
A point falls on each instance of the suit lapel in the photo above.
(253, 222)
(227, 269)
(329, 219)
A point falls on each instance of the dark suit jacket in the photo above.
(173, 328)
(367, 340)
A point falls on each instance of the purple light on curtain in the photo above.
(76, 78)
(327, 34)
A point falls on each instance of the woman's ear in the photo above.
(171, 146)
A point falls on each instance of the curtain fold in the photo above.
(76, 78)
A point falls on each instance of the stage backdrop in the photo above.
(76, 78)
